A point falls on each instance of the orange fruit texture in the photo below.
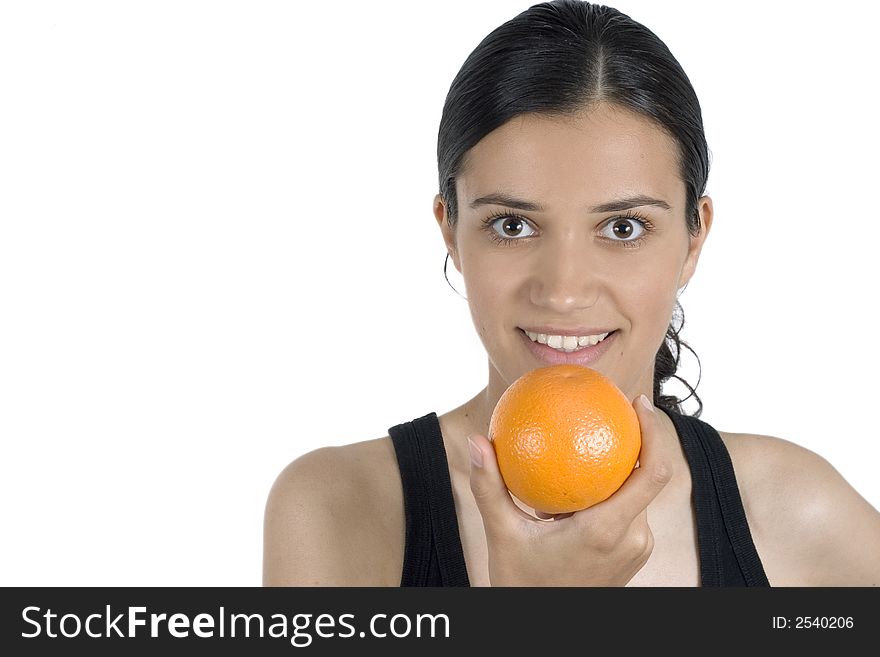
(565, 437)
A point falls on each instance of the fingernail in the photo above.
(646, 403)
(476, 454)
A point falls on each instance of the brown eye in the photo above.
(510, 227)
(622, 229)
(627, 229)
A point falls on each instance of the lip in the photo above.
(584, 356)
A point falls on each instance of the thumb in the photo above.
(653, 454)
(490, 492)
(655, 467)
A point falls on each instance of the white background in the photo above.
(218, 253)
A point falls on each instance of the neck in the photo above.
(476, 412)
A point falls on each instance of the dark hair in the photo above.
(556, 58)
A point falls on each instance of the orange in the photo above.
(565, 437)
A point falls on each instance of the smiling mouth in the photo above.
(567, 343)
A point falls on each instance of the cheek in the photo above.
(650, 298)
(651, 291)
(489, 291)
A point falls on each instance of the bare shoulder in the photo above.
(334, 517)
(810, 526)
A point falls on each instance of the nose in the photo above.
(565, 279)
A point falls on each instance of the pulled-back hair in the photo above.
(555, 59)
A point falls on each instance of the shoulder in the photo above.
(334, 517)
(810, 526)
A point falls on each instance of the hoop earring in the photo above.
(446, 262)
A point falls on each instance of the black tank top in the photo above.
(433, 554)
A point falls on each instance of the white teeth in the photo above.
(566, 343)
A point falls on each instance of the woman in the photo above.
(573, 166)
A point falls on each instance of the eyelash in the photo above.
(646, 224)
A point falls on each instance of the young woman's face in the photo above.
(566, 265)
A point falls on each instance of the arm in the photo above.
(297, 548)
(306, 536)
(846, 530)
(812, 528)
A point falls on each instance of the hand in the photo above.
(604, 545)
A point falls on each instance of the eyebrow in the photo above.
(639, 200)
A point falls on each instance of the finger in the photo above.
(654, 471)
(487, 484)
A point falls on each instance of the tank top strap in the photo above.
(728, 556)
(433, 554)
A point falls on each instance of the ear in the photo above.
(441, 214)
(705, 210)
